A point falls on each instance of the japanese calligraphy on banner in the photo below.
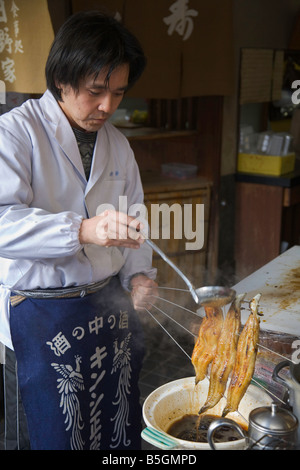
(26, 35)
(188, 44)
(180, 19)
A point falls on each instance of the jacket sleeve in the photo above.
(25, 231)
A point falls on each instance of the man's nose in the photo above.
(105, 104)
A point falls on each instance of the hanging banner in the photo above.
(26, 35)
(110, 7)
(147, 20)
(207, 48)
(188, 44)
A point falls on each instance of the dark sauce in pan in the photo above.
(194, 428)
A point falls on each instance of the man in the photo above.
(73, 340)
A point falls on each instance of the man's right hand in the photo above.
(112, 228)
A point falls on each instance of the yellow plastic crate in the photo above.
(266, 164)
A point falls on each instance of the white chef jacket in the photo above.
(44, 196)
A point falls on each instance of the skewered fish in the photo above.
(206, 344)
(224, 359)
(245, 359)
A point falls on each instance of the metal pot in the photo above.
(292, 382)
(269, 428)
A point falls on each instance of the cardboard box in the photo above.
(273, 165)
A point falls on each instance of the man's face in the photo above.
(95, 101)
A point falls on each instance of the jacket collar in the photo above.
(63, 133)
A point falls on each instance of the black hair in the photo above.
(87, 43)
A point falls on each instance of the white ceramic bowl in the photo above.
(173, 400)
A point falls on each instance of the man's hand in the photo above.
(112, 228)
(143, 292)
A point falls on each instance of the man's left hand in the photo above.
(143, 292)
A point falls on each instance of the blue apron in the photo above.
(78, 365)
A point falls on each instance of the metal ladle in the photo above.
(212, 296)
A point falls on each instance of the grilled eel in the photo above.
(224, 359)
(206, 343)
(245, 359)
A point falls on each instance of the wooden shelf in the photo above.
(146, 133)
(160, 190)
(154, 181)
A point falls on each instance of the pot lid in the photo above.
(274, 419)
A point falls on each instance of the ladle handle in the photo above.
(179, 272)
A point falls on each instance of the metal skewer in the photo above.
(180, 347)
(166, 331)
(203, 315)
(199, 314)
